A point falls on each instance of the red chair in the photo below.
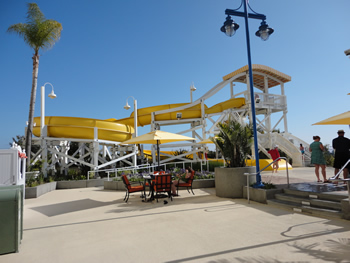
(188, 185)
(162, 184)
(152, 182)
(132, 188)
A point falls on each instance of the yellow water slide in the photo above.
(122, 129)
(144, 115)
(84, 128)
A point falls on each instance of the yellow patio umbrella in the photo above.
(339, 119)
(158, 137)
(206, 141)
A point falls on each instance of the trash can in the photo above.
(11, 220)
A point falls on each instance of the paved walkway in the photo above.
(95, 225)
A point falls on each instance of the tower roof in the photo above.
(275, 77)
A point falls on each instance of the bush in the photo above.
(234, 141)
(266, 185)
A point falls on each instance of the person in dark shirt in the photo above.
(341, 145)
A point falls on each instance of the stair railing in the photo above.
(336, 178)
(279, 158)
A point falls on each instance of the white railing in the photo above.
(150, 168)
(265, 100)
(247, 174)
(336, 178)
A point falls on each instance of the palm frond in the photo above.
(234, 141)
(34, 14)
(38, 32)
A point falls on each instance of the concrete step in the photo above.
(323, 196)
(299, 208)
(326, 204)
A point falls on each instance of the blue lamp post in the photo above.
(229, 28)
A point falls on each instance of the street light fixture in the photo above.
(347, 52)
(43, 127)
(229, 28)
(264, 31)
(127, 107)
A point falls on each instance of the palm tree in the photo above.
(38, 33)
(234, 141)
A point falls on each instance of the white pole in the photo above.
(135, 117)
(43, 133)
(135, 125)
(135, 130)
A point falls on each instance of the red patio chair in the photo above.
(162, 184)
(132, 188)
(188, 185)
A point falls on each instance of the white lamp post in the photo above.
(192, 88)
(43, 130)
(127, 106)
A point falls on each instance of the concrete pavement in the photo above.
(95, 225)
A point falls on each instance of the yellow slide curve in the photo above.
(122, 129)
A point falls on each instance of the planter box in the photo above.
(36, 191)
(345, 208)
(114, 185)
(119, 185)
(229, 182)
(260, 195)
(80, 183)
(205, 183)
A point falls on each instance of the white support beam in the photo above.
(72, 158)
(116, 160)
(274, 127)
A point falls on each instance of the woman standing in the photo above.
(316, 149)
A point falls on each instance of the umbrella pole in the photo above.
(158, 157)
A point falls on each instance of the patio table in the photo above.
(148, 179)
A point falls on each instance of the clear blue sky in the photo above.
(153, 50)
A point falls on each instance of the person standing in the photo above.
(317, 158)
(274, 155)
(302, 150)
(341, 145)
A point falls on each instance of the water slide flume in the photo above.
(122, 129)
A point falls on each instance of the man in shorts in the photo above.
(341, 145)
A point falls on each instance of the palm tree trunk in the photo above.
(32, 106)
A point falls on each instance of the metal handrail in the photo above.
(335, 177)
(247, 174)
(347, 180)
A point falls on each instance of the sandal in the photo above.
(174, 194)
(326, 182)
(319, 181)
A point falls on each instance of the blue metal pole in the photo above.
(252, 100)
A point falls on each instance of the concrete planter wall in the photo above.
(114, 185)
(36, 191)
(80, 183)
(118, 185)
(345, 205)
(205, 183)
(260, 195)
(229, 182)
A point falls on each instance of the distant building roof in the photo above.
(275, 77)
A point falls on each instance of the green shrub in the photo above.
(234, 141)
(266, 185)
